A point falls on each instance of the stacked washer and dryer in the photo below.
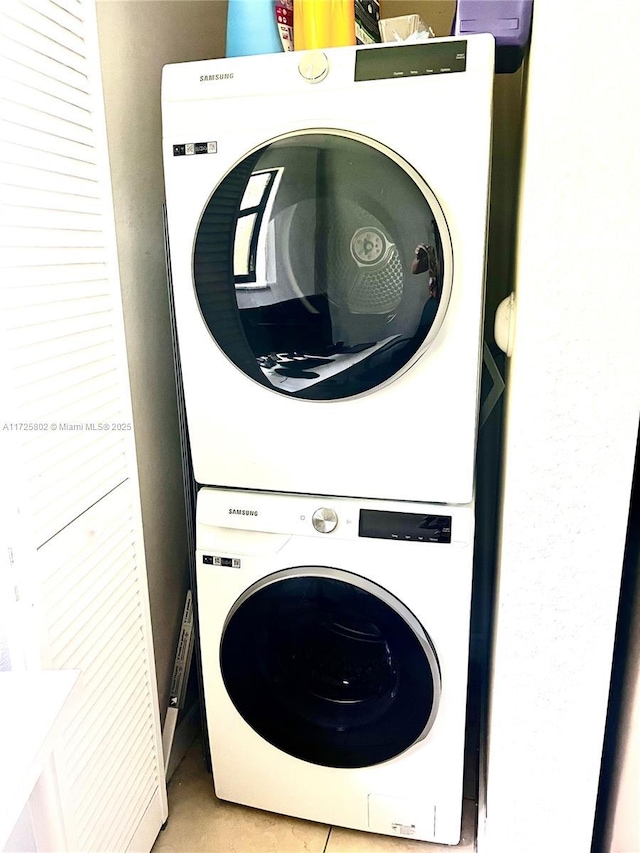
(327, 220)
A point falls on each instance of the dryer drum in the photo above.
(303, 261)
(331, 670)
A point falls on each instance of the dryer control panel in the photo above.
(405, 526)
(411, 60)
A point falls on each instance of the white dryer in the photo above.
(335, 637)
(327, 217)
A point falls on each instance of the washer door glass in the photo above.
(322, 265)
(330, 668)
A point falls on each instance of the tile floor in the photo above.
(201, 823)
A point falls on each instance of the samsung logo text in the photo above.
(243, 511)
(210, 78)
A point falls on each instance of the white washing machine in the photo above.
(327, 218)
(335, 637)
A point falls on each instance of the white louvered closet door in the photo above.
(77, 556)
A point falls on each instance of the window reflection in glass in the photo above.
(250, 246)
(243, 262)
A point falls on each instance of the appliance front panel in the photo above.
(343, 601)
(328, 280)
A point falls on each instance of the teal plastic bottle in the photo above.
(252, 28)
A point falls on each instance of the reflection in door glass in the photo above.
(243, 260)
(336, 273)
(256, 190)
(250, 262)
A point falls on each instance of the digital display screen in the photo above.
(405, 526)
(411, 60)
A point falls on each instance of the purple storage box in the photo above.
(509, 21)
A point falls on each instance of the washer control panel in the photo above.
(405, 526)
(231, 513)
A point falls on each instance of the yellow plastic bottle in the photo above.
(323, 23)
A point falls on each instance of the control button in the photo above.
(325, 520)
(314, 66)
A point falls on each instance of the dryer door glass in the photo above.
(322, 265)
(330, 669)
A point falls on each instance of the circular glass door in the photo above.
(330, 667)
(322, 265)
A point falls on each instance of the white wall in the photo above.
(138, 37)
(572, 419)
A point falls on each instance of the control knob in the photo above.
(314, 66)
(325, 520)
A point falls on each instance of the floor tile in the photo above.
(201, 823)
